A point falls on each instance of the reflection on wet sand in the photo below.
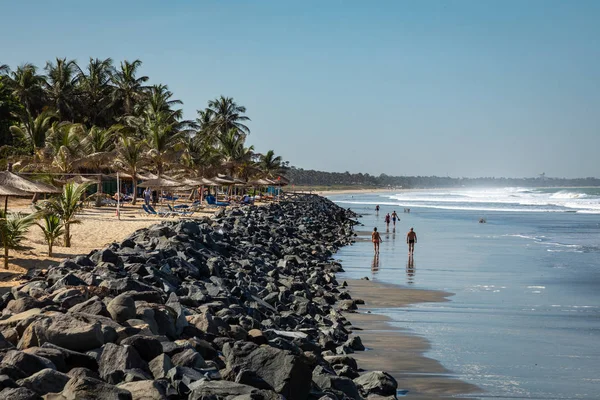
(375, 264)
(410, 270)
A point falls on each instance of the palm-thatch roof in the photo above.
(8, 178)
(223, 180)
(161, 183)
(11, 191)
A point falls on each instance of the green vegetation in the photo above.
(52, 228)
(13, 227)
(72, 118)
(66, 206)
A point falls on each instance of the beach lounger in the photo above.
(213, 202)
(152, 211)
(180, 212)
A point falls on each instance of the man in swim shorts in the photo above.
(411, 239)
(376, 239)
(394, 217)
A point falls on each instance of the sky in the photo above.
(450, 88)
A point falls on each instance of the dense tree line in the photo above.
(299, 176)
(100, 117)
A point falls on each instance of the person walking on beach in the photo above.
(394, 217)
(376, 239)
(411, 239)
(147, 194)
(377, 209)
(387, 221)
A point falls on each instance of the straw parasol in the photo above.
(8, 178)
(10, 191)
(161, 183)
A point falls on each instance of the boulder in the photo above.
(285, 372)
(88, 388)
(122, 308)
(148, 347)
(115, 359)
(377, 382)
(73, 359)
(145, 390)
(160, 366)
(92, 306)
(29, 364)
(188, 358)
(222, 389)
(45, 381)
(20, 393)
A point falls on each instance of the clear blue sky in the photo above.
(459, 88)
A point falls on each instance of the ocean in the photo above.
(524, 320)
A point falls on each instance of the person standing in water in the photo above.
(395, 217)
(411, 239)
(376, 239)
(377, 209)
(387, 221)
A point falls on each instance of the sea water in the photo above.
(524, 320)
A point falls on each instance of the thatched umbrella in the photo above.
(10, 191)
(161, 183)
(8, 178)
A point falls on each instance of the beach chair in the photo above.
(213, 202)
(158, 213)
(180, 212)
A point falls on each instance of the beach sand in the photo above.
(99, 227)
(396, 350)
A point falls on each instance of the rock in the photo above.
(73, 359)
(80, 372)
(5, 344)
(92, 306)
(115, 359)
(29, 364)
(145, 390)
(45, 381)
(339, 383)
(19, 394)
(122, 308)
(56, 356)
(344, 360)
(223, 389)
(7, 382)
(148, 347)
(188, 358)
(355, 343)
(160, 366)
(64, 330)
(377, 382)
(88, 388)
(256, 336)
(207, 323)
(287, 374)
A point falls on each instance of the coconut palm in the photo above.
(13, 227)
(66, 206)
(63, 145)
(233, 151)
(199, 157)
(96, 91)
(270, 165)
(60, 87)
(163, 140)
(34, 130)
(129, 90)
(130, 157)
(228, 115)
(52, 229)
(27, 86)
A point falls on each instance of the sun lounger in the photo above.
(180, 212)
(151, 211)
(213, 202)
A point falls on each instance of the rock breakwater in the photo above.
(241, 306)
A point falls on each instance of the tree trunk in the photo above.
(50, 243)
(67, 235)
(134, 190)
(5, 256)
(98, 193)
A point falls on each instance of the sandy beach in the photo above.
(395, 350)
(99, 227)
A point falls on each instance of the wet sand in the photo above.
(396, 350)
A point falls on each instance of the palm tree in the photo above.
(232, 150)
(34, 131)
(60, 87)
(130, 157)
(162, 138)
(129, 90)
(52, 230)
(63, 145)
(271, 165)
(199, 157)
(66, 206)
(27, 86)
(13, 227)
(96, 91)
(228, 115)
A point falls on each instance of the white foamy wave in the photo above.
(568, 195)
